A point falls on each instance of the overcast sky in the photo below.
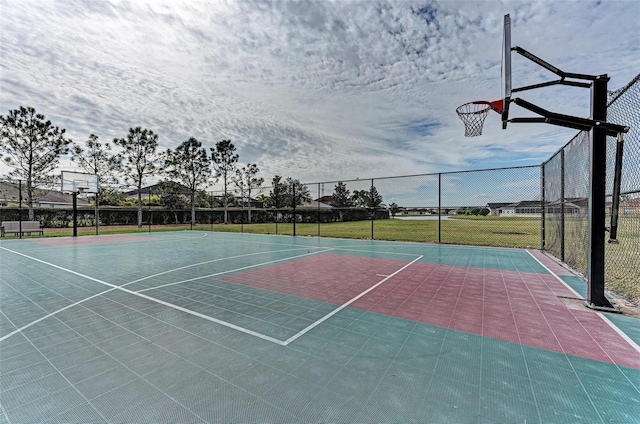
(315, 90)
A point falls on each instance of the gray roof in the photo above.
(9, 193)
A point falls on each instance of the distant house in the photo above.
(9, 194)
(495, 209)
(316, 204)
(154, 189)
(630, 207)
(524, 208)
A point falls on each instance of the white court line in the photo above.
(620, 332)
(578, 295)
(233, 270)
(215, 260)
(24, 327)
(611, 324)
(335, 311)
(153, 299)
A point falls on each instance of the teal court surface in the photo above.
(192, 327)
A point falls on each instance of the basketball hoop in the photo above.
(473, 115)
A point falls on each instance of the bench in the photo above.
(13, 227)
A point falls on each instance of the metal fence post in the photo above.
(562, 208)
(20, 208)
(543, 207)
(295, 202)
(439, 207)
(373, 212)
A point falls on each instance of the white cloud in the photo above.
(315, 90)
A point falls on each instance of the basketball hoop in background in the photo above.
(473, 115)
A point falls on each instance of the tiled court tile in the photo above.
(145, 364)
(14, 363)
(550, 415)
(187, 345)
(222, 405)
(259, 379)
(607, 389)
(160, 409)
(20, 346)
(503, 381)
(586, 368)
(85, 370)
(294, 395)
(171, 373)
(550, 374)
(33, 390)
(326, 407)
(260, 411)
(44, 328)
(567, 398)
(316, 370)
(351, 339)
(65, 347)
(46, 407)
(132, 352)
(53, 339)
(308, 344)
(76, 357)
(365, 362)
(336, 353)
(124, 397)
(459, 367)
(284, 358)
(116, 343)
(506, 408)
(82, 414)
(625, 410)
(382, 349)
(388, 404)
(195, 389)
(105, 382)
(25, 375)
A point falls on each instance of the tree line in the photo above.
(32, 146)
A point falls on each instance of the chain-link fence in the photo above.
(492, 207)
(566, 196)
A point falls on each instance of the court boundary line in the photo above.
(621, 333)
(144, 296)
(556, 276)
(341, 307)
(233, 270)
(615, 328)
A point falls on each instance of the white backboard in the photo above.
(78, 182)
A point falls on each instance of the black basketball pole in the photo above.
(596, 298)
(75, 214)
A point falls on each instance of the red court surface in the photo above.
(531, 309)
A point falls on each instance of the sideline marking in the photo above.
(216, 260)
(232, 270)
(153, 299)
(24, 327)
(620, 332)
(341, 307)
(579, 296)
